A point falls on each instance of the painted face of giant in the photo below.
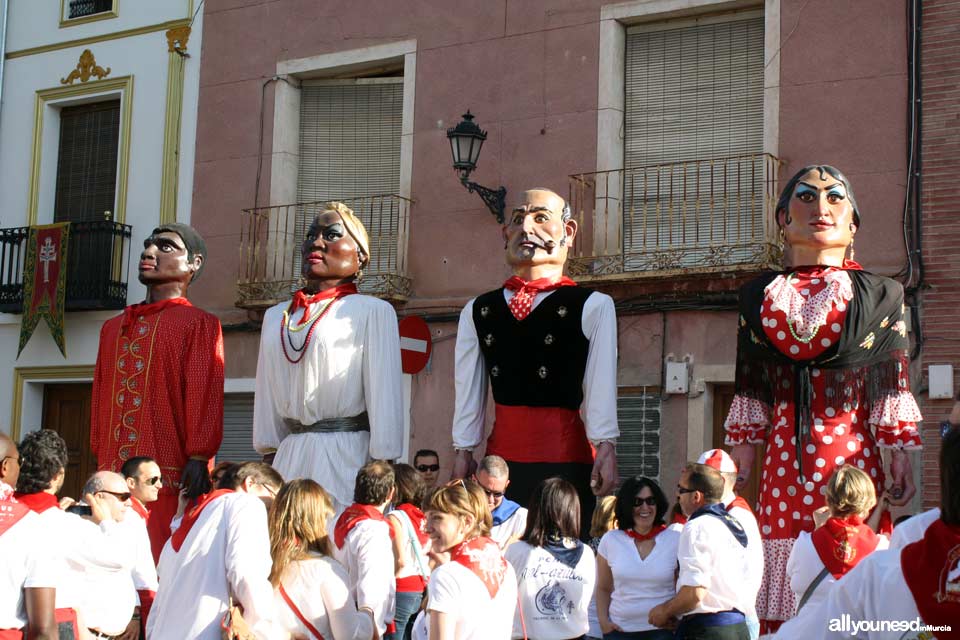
(329, 252)
(165, 259)
(819, 214)
(535, 232)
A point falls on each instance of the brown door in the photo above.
(66, 410)
(722, 399)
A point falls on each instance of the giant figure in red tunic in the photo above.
(158, 384)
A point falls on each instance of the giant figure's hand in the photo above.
(743, 456)
(603, 478)
(463, 464)
(195, 479)
(901, 472)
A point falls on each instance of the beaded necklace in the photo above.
(816, 329)
(310, 325)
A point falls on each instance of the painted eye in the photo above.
(834, 197)
(542, 217)
(805, 196)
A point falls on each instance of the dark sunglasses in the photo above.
(153, 481)
(496, 495)
(428, 467)
(650, 502)
(682, 490)
(122, 497)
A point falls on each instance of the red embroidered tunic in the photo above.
(158, 388)
(803, 316)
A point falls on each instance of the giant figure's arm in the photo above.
(470, 383)
(383, 383)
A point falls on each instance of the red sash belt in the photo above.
(539, 434)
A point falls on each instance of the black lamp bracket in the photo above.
(495, 199)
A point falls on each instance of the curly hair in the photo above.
(43, 455)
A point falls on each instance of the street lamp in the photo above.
(466, 140)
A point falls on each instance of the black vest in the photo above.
(540, 361)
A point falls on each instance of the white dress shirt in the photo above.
(599, 408)
(351, 365)
(27, 564)
(319, 589)
(367, 554)
(710, 557)
(513, 527)
(913, 529)
(144, 571)
(226, 553)
(754, 557)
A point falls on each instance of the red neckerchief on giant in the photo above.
(139, 508)
(649, 535)
(134, 311)
(354, 515)
(37, 502)
(11, 511)
(417, 519)
(841, 543)
(190, 517)
(931, 569)
(521, 304)
(483, 557)
(740, 502)
(302, 300)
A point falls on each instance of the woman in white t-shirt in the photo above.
(636, 563)
(556, 572)
(311, 593)
(472, 594)
(411, 546)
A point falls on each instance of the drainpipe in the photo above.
(4, 7)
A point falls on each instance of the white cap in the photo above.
(719, 460)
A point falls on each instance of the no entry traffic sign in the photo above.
(415, 344)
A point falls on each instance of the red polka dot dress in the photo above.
(803, 315)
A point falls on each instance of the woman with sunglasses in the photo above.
(472, 594)
(636, 563)
(311, 592)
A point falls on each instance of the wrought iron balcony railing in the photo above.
(82, 8)
(700, 216)
(271, 237)
(98, 260)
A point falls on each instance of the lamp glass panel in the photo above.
(455, 148)
(465, 144)
(475, 147)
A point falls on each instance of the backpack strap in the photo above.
(299, 614)
(414, 541)
(812, 587)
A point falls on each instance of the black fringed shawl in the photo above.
(864, 365)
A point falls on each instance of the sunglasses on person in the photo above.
(121, 496)
(650, 501)
(496, 495)
(428, 467)
(153, 481)
(681, 490)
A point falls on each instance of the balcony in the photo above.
(702, 216)
(84, 8)
(270, 239)
(98, 260)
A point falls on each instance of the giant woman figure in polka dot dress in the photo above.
(822, 374)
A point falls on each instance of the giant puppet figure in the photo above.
(548, 348)
(328, 390)
(822, 375)
(158, 384)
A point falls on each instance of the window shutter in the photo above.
(237, 445)
(87, 161)
(694, 108)
(638, 447)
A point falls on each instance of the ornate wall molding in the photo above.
(87, 68)
(177, 39)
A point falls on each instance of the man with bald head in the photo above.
(548, 348)
(10, 466)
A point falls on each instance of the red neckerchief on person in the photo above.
(191, 516)
(38, 502)
(841, 543)
(678, 518)
(521, 304)
(931, 569)
(139, 508)
(354, 515)
(649, 535)
(134, 311)
(417, 519)
(740, 502)
(11, 511)
(302, 300)
(483, 557)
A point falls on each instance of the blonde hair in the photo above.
(850, 492)
(298, 524)
(462, 498)
(354, 227)
(604, 516)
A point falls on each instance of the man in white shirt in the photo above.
(548, 350)
(509, 518)
(362, 542)
(714, 570)
(221, 550)
(740, 509)
(144, 481)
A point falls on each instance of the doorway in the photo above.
(66, 410)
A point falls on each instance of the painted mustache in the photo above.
(541, 243)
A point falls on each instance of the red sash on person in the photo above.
(140, 510)
(539, 434)
(743, 504)
(931, 569)
(841, 543)
(354, 515)
(482, 556)
(649, 535)
(10, 514)
(191, 516)
(302, 301)
(521, 304)
(38, 502)
(417, 519)
(134, 311)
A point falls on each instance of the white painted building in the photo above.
(98, 116)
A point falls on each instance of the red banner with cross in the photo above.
(45, 282)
